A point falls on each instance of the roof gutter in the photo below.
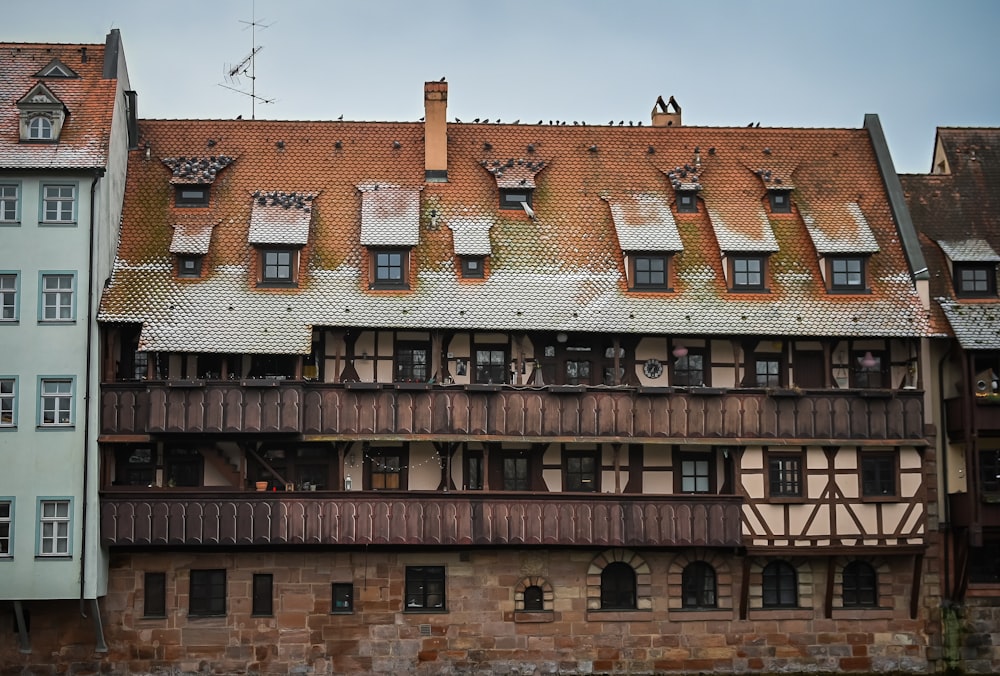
(897, 199)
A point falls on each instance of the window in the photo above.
(40, 129)
(474, 470)
(534, 598)
(182, 466)
(59, 204)
(989, 467)
(191, 196)
(425, 588)
(847, 274)
(154, 595)
(189, 266)
(385, 470)
(984, 564)
(784, 475)
(867, 370)
(58, 298)
(278, 266)
(53, 534)
(649, 272)
(748, 273)
(512, 199)
(687, 202)
(135, 467)
(697, 473)
(207, 595)
(263, 597)
(767, 371)
(56, 405)
(8, 297)
(975, 280)
(8, 402)
(860, 587)
(390, 269)
(342, 597)
(472, 267)
(878, 474)
(698, 585)
(780, 204)
(412, 363)
(6, 524)
(9, 203)
(689, 370)
(581, 472)
(618, 586)
(515, 473)
(780, 586)
(491, 366)
(577, 372)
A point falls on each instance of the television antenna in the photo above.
(245, 68)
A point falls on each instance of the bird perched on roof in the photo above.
(441, 80)
(341, 118)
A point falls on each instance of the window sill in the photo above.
(880, 498)
(342, 612)
(58, 224)
(56, 322)
(425, 611)
(70, 426)
(10, 224)
(534, 616)
(277, 285)
(53, 557)
(760, 614)
(700, 615)
(8, 428)
(619, 615)
(862, 613)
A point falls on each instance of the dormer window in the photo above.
(189, 266)
(42, 115)
(513, 199)
(749, 273)
(649, 272)
(279, 267)
(390, 269)
(473, 267)
(779, 201)
(191, 195)
(847, 274)
(975, 280)
(40, 129)
(687, 201)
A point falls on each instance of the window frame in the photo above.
(780, 487)
(569, 456)
(139, 473)
(862, 377)
(262, 595)
(13, 293)
(507, 195)
(746, 286)
(409, 374)
(8, 402)
(710, 475)
(59, 202)
(387, 282)
(472, 267)
(618, 587)
(375, 466)
(675, 370)
(779, 579)
(873, 466)
(183, 201)
(989, 271)
(7, 527)
(37, 131)
(473, 468)
(154, 595)
(989, 466)
(772, 380)
(845, 285)
(194, 262)
(277, 280)
(782, 206)
(337, 594)
(60, 536)
(533, 599)
(10, 203)
(57, 398)
(636, 260)
(695, 591)
(686, 207)
(859, 572)
(416, 581)
(208, 599)
(517, 457)
(43, 296)
(501, 367)
(181, 461)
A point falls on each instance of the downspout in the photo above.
(943, 451)
(98, 173)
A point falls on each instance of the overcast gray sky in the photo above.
(919, 64)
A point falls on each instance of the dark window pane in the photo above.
(343, 597)
(860, 585)
(515, 474)
(618, 586)
(698, 585)
(207, 595)
(263, 597)
(780, 588)
(878, 474)
(785, 475)
(533, 599)
(155, 595)
(425, 587)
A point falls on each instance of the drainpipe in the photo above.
(943, 451)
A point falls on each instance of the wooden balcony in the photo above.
(172, 518)
(985, 417)
(369, 410)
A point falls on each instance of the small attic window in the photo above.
(512, 198)
(40, 129)
(687, 201)
(473, 267)
(188, 266)
(191, 196)
(847, 274)
(780, 202)
(56, 68)
(975, 280)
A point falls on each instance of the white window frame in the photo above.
(10, 203)
(61, 197)
(54, 518)
(6, 527)
(55, 399)
(9, 287)
(56, 303)
(40, 128)
(8, 401)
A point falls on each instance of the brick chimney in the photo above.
(436, 132)
(666, 114)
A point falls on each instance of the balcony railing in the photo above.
(985, 416)
(457, 412)
(429, 519)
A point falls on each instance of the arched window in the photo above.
(533, 598)
(40, 128)
(860, 585)
(780, 585)
(698, 585)
(617, 586)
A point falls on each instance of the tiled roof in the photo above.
(191, 238)
(90, 100)
(561, 270)
(645, 223)
(956, 215)
(278, 217)
(196, 170)
(844, 232)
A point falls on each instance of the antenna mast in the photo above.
(246, 66)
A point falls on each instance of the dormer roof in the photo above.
(390, 215)
(839, 228)
(56, 68)
(644, 222)
(968, 251)
(471, 235)
(186, 170)
(514, 173)
(192, 239)
(278, 217)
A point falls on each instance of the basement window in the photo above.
(513, 198)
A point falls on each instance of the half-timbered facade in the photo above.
(424, 396)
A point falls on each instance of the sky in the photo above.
(918, 64)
